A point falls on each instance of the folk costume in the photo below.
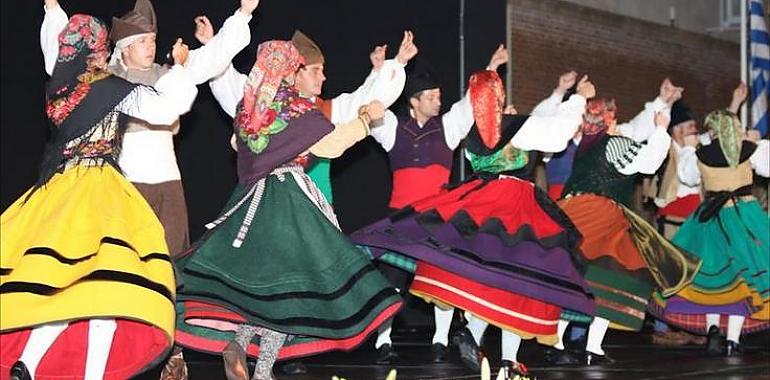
(275, 277)
(85, 274)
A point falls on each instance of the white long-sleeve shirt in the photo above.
(691, 176)
(457, 123)
(384, 85)
(550, 132)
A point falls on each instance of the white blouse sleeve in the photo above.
(173, 95)
(384, 85)
(551, 133)
(227, 89)
(54, 22)
(385, 134)
(458, 121)
(548, 106)
(760, 160)
(642, 126)
(687, 167)
(211, 59)
(650, 156)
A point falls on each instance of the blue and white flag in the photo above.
(759, 66)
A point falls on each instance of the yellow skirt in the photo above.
(87, 245)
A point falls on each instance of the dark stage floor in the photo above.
(636, 359)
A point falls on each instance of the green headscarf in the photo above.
(727, 128)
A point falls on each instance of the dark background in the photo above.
(346, 30)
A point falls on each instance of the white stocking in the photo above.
(100, 334)
(40, 340)
(596, 333)
(443, 320)
(477, 326)
(383, 335)
(712, 320)
(734, 327)
(511, 344)
(560, 329)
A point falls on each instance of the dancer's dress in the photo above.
(496, 245)
(83, 243)
(276, 257)
(730, 232)
(627, 258)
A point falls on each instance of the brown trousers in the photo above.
(168, 202)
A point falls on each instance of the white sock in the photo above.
(477, 326)
(596, 333)
(383, 335)
(443, 319)
(712, 320)
(511, 344)
(100, 334)
(560, 329)
(734, 327)
(40, 340)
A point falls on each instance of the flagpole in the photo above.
(744, 70)
(462, 79)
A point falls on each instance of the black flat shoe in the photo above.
(386, 354)
(19, 371)
(733, 348)
(596, 359)
(470, 355)
(438, 352)
(714, 342)
(560, 357)
(294, 367)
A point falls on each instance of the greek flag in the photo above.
(759, 66)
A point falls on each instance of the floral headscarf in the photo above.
(268, 100)
(727, 128)
(487, 98)
(599, 115)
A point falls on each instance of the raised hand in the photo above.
(661, 120)
(204, 31)
(376, 110)
(753, 135)
(670, 93)
(585, 88)
(377, 56)
(51, 4)
(248, 6)
(566, 81)
(510, 110)
(499, 57)
(739, 96)
(179, 52)
(408, 49)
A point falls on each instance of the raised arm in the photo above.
(172, 96)
(54, 22)
(687, 162)
(651, 155)
(384, 83)
(218, 50)
(552, 133)
(227, 89)
(347, 134)
(550, 105)
(643, 124)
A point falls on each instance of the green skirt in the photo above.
(294, 272)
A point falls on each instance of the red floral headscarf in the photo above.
(599, 115)
(487, 98)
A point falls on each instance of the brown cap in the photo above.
(139, 20)
(307, 48)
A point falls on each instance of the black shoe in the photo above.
(438, 352)
(560, 357)
(469, 350)
(295, 367)
(596, 359)
(714, 342)
(385, 354)
(19, 371)
(733, 348)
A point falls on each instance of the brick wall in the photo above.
(626, 58)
